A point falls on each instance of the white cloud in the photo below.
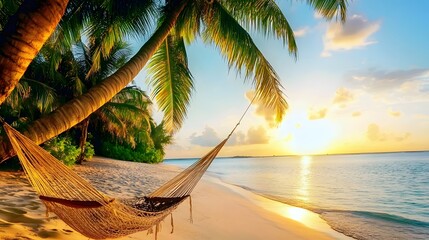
(356, 114)
(354, 33)
(269, 114)
(412, 80)
(301, 32)
(257, 135)
(343, 96)
(207, 138)
(315, 114)
(394, 113)
(375, 134)
(238, 138)
(403, 137)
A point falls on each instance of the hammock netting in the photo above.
(90, 212)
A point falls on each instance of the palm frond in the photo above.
(68, 30)
(37, 94)
(330, 8)
(113, 21)
(135, 96)
(118, 56)
(241, 52)
(263, 16)
(135, 16)
(112, 123)
(19, 93)
(44, 96)
(188, 24)
(127, 111)
(172, 81)
(126, 117)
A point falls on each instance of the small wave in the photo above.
(371, 225)
(390, 218)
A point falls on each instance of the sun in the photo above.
(311, 137)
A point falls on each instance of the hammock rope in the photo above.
(90, 212)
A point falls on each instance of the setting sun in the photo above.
(311, 137)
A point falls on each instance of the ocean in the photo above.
(365, 196)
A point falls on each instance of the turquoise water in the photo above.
(365, 196)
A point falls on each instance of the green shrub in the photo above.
(63, 149)
(140, 153)
(89, 150)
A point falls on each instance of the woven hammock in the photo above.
(90, 212)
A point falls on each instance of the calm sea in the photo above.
(365, 196)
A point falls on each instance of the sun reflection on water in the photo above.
(304, 177)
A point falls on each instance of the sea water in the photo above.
(365, 196)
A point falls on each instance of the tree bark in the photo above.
(81, 107)
(82, 141)
(23, 36)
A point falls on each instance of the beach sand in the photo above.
(220, 211)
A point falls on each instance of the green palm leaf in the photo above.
(114, 20)
(188, 24)
(172, 81)
(44, 97)
(111, 122)
(263, 16)
(241, 52)
(330, 8)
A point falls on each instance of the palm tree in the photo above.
(160, 137)
(126, 118)
(23, 36)
(126, 110)
(81, 107)
(232, 40)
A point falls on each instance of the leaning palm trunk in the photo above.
(22, 38)
(81, 107)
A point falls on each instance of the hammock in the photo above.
(90, 212)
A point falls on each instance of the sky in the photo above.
(357, 87)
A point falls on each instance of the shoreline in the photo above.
(308, 218)
(220, 210)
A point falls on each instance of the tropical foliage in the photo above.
(225, 24)
(124, 120)
(63, 149)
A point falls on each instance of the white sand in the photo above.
(220, 211)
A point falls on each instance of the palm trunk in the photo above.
(23, 36)
(82, 141)
(81, 107)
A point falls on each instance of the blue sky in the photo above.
(358, 87)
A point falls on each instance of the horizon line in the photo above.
(300, 155)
